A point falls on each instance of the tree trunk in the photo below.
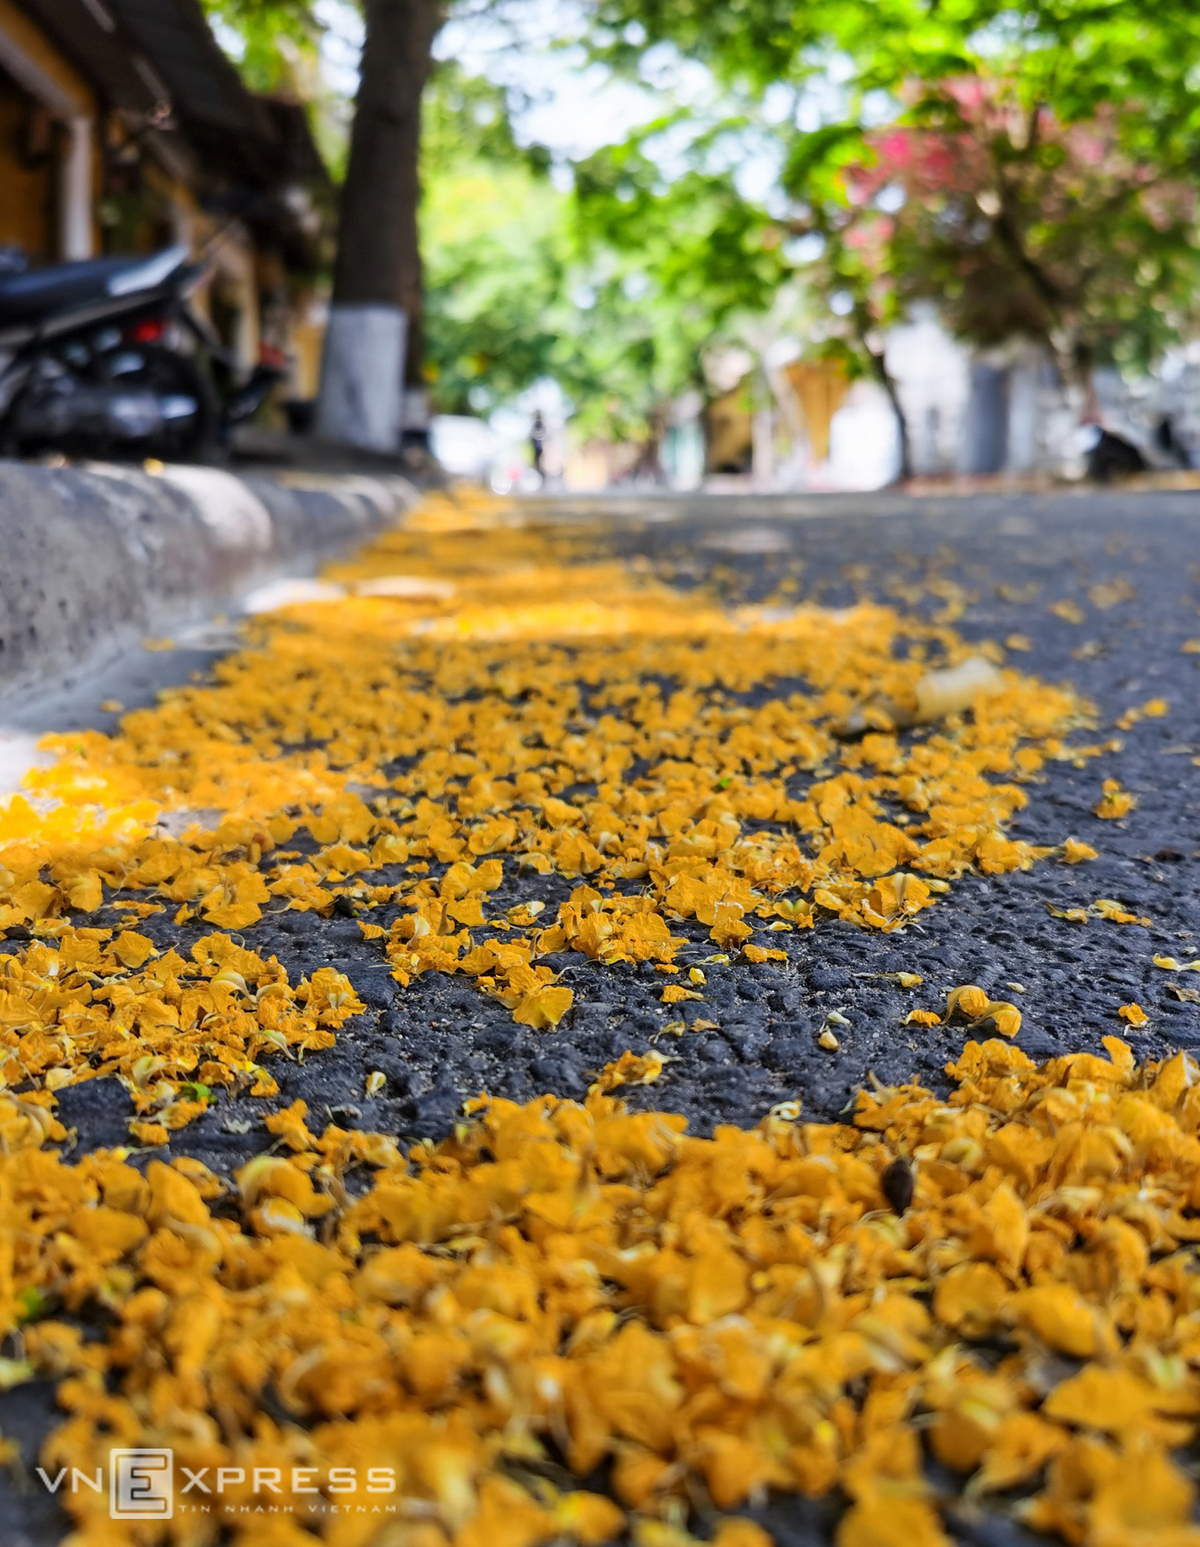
(883, 376)
(864, 327)
(378, 259)
(375, 344)
(762, 447)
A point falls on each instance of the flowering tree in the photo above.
(1035, 179)
(1017, 224)
(1021, 225)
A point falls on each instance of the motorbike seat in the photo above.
(26, 297)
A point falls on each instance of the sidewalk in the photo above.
(97, 557)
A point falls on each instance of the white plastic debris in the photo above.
(954, 688)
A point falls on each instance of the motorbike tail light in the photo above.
(274, 359)
(148, 332)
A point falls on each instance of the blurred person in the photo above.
(1167, 442)
(537, 443)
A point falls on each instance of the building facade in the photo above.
(124, 128)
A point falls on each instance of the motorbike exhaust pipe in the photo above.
(94, 412)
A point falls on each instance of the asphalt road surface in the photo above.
(1098, 591)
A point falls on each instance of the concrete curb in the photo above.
(93, 559)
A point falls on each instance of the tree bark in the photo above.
(877, 360)
(379, 257)
(884, 377)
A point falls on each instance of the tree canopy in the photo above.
(275, 41)
(1026, 164)
(614, 287)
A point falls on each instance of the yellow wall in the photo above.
(40, 93)
(28, 194)
(308, 342)
(820, 387)
(29, 213)
(730, 431)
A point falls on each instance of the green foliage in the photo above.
(701, 243)
(494, 261)
(31, 1304)
(1093, 256)
(493, 247)
(614, 289)
(1079, 54)
(1018, 224)
(278, 38)
(684, 261)
(1049, 146)
(465, 119)
(276, 47)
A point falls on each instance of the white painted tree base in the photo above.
(415, 414)
(361, 401)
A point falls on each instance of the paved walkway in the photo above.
(685, 811)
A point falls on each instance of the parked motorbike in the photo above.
(109, 358)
